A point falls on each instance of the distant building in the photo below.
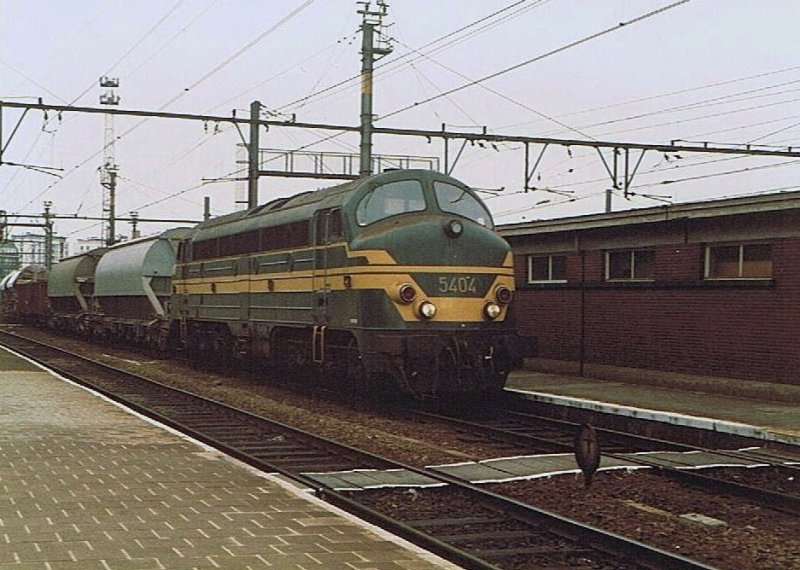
(9, 258)
(20, 250)
(88, 244)
(33, 248)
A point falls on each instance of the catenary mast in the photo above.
(108, 171)
(371, 19)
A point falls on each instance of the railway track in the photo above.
(547, 435)
(459, 521)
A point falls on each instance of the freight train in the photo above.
(395, 281)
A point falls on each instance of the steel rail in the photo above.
(669, 468)
(608, 543)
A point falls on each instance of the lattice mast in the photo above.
(108, 171)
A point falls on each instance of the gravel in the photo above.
(721, 531)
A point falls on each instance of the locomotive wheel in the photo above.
(294, 361)
(447, 372)
(499, 369)
(429, 381)
(356, 372)
(296, 356)
(225, 346)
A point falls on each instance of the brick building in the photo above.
(707, 288)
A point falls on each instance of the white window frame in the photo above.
(707, 266)
(549, 257)
(630, 278)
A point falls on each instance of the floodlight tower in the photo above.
(108, 172)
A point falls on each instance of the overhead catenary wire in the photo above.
(171, 39)
(539, 57)
(654, 97)
(291, 67)
(516, 66)
(713, 102)
(130, 50)
(205, 77)
(452, 98)
(381, 68)
(501, 95)
(735, 97)
(222, 65)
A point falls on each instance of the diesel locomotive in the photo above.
(396, 281)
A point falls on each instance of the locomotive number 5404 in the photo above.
(455, 284)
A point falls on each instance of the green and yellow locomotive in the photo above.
(398, 280)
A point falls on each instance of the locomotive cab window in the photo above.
(390, 200)
(329, 226)
(455, 200)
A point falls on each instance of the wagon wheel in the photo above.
(162, 342)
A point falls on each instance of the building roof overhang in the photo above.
(705, 209)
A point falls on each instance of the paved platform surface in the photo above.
(524, 467)
(758, 409)
(86, 485)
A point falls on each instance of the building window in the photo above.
(547, 269)
(630, 265)
(743, 261)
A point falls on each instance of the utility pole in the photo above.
(108, 174)
(48, 236)
(370, 20)
(252, 156)
(135, 225)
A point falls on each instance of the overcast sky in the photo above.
(723, 71)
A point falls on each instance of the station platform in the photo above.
(761, 410)
(85, 484)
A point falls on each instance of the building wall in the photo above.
(679, 321)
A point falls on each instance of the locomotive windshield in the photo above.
(455, 200)
(389, 200)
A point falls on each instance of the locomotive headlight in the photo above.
(503, 294)
(454, 228)
(427, 310)
(406, 293)
(492, 310)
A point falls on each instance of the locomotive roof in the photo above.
(298, 207)
(302, 206)
(283, 204)
(333, 194)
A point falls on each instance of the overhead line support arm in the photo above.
(483, 136)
